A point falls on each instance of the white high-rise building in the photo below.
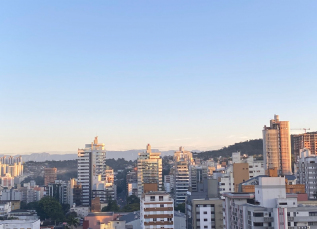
(149, 171)
(307, 172)
(91, 163)
(182, 160)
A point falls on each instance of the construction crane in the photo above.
(305, 129)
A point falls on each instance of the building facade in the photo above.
(182, 161)
(50, 175)
(307, 172)
(268, 207)
(156, 210)
(277, 146)
(307, 141)
(132, 182)
(149, 171)
(91, 163)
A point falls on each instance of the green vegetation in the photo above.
(112, 206)
(250, 147)
(49, 208)
(180, 207)
(29, 206)
(133, 204)
(119, 164)
(38, 180)
(72, 221)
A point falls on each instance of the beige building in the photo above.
(307, 141)
(50, 175)
(277, 146)
(156, 210)
(149, 171)
(206, 213)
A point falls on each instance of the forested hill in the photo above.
(249, 147)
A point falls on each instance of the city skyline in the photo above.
(199, 75)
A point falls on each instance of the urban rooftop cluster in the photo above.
(276, 191)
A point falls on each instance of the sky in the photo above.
(198, 74)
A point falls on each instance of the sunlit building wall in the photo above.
(277, 146)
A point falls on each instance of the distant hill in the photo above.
(249, 147)
(61, 156)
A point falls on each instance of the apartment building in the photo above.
(182, 160)
(169, 183)
(307, 172)
(203, 208)
(50, 175)
(104, 190)
(197, 174)
(91, 163)
(149, 171)
(206, 214)
(7, 181)
(156, 210)
(305, 140)
(132, 182)
(268, 207)
(59, 190)
(277, 146)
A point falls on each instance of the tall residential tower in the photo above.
(91, 163)
(149, 171)
(182, 160)
(277, 146)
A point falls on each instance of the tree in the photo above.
(49, 208)
(72, 221)
(32, 205)
(180, 207)
(133, 199)
(112, 206)
(131, 207)
(65, 208)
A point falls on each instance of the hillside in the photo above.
(249, 147)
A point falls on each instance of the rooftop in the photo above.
(18, 221)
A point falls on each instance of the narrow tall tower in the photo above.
(277, 146)
(149, 171)
(91, 163)
(182, 160)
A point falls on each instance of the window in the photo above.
(205, 212)
(152, 198)
(154, 219)
(205, 219)
(162, 205)
(160, 198)
(258, 214)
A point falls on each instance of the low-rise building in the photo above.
(99, 220)
(21, 224)
(82, 211)
(268, 207)
(5, 208)
(132, 220)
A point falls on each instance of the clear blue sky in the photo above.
(201, 74)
